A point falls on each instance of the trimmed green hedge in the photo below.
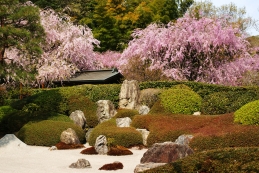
(123, 136)
(56, 100)
(184, 101)
(248, 114)
(47, 133)
(228, 160)
(233, 97)
(226, 102)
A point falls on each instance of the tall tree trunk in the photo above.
(2, 51)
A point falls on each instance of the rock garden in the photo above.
(185, 126)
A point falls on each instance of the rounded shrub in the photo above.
(122, 113)
(87, 106)
(248, 114)
(183, 101)
(126, 136)
(215, 103)
(47, 132)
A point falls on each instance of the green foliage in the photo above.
(87, 106)
(21, 29)
(113, 21)
(248, 114)
(225, 102)
(59, 117)
(5, 111)
(15, 120)
(181, 86)
(233, 97)
(102, 92)
(47, 133)
(56, 100)
(123, 136)
(122, 113)
(183, 101)
(223, 160)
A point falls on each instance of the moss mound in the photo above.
(216, 161)
(248, 114)
(122, 113)
(47, 132)
(183, 101)
(123, 136)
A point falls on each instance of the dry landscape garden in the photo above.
(193, 69)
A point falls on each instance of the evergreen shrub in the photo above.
(123, 136)
(248, 114)
(47, 132)
(183, 101)
(226, 102)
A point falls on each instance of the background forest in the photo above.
(43, 41)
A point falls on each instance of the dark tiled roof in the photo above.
(93, 77)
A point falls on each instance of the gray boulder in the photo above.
(143, 110)
(105, 110)
(144, 133)
(123, 122)
(129, 95)
(146, 166)
(101, 145)
(80, 164)
(184, 139)
(69, 137)
(166, 152)
(79, 118)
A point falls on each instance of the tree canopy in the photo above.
(22, 34)
(193, 49)
(112, 21)
(237, 17)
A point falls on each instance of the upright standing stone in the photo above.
(105, 110)
(129, 94)
(144, 133)
(101, 145)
